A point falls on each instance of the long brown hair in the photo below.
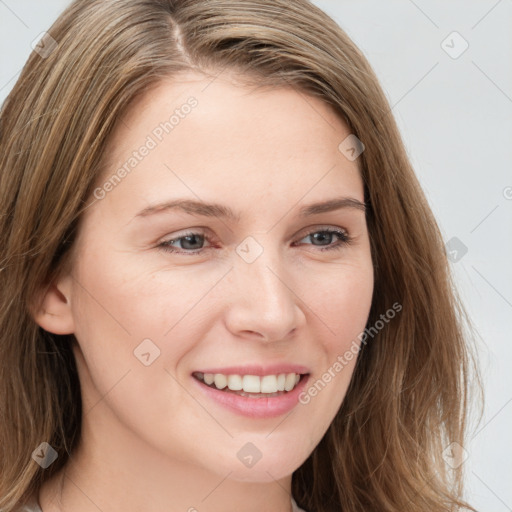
(408, 396)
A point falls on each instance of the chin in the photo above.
(265, 472)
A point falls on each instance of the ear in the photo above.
(52, 308)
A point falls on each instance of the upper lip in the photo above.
(257, 369)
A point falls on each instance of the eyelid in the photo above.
(321, 227)
(310, 230)
(189, 232)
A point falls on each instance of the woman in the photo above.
(176, 177)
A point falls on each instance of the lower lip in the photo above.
(270, 407)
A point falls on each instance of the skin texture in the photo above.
(150, 439)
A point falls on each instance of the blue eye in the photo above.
(326, 235)
(189, 241)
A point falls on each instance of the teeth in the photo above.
(251, 383)
(289, 383)
(221, 381)
(235, 382)
(268, 384)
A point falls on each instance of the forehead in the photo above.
(221, 139)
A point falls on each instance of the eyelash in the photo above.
(345, 239)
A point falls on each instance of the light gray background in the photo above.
(456, 120)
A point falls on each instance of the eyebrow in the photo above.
(217, 210)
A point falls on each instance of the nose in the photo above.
(262, 303)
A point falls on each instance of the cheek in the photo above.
(123, 312)
(341, 300)
(128, 299)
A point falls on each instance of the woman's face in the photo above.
(246, 280)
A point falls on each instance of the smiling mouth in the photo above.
(251, 386)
